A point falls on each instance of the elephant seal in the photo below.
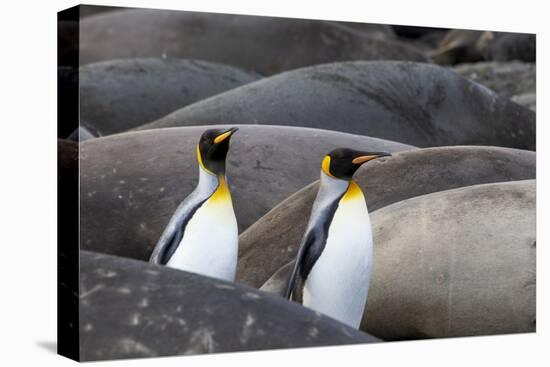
(463, 45)
(374, 30)
(513, 46)
(130, 309)
(67, 247)
(418, 104)
(528, 100)
(118, 95)
(67, 101)
(278, 282)
(83, 133)
(273, 240)
(506, 78)
(131, 183)
(90, 10)
(455, 263)
(414, 32)
(266, 45)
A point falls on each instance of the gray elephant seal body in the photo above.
(91, 10)
(118, 95)
(513, 46)
(513, 79)
(131, 183)
(263, 44)
(273, 240)
(278, 282)
(463, 45)
(418, 104)
(505, 78)
(455, 263)
(130, 309)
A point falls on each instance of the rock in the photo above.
(131, 183)
(273, 240)
(455, 263)
(418, 104)
(266, 45)
(130, 309)
(118, 95)
(505, 78)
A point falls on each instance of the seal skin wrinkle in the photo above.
(202, 235)
(334, 262)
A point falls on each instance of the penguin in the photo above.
(202, 235)
(334, 263)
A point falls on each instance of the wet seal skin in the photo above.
(131, 309)
(117, 95)
(272, 241)
(266, 45)
(419, 104)
(469, 271)
(131, 183)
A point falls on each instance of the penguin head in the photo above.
(212, 149)
(342, 163)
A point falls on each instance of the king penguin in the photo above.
(202, 235)
(334, 262)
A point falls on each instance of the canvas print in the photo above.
(236, 183)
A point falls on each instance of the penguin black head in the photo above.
(343, 162)
(212, 149)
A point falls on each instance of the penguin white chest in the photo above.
(210, 241)
(337, 285)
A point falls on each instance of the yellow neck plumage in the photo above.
(353, 192)
(222, 193)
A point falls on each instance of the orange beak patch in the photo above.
(363, 159)
(223, 136)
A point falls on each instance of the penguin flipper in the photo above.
(307, 241)
(171, 246)
(173, 233)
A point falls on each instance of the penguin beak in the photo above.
(369, 156)
(225, 135)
